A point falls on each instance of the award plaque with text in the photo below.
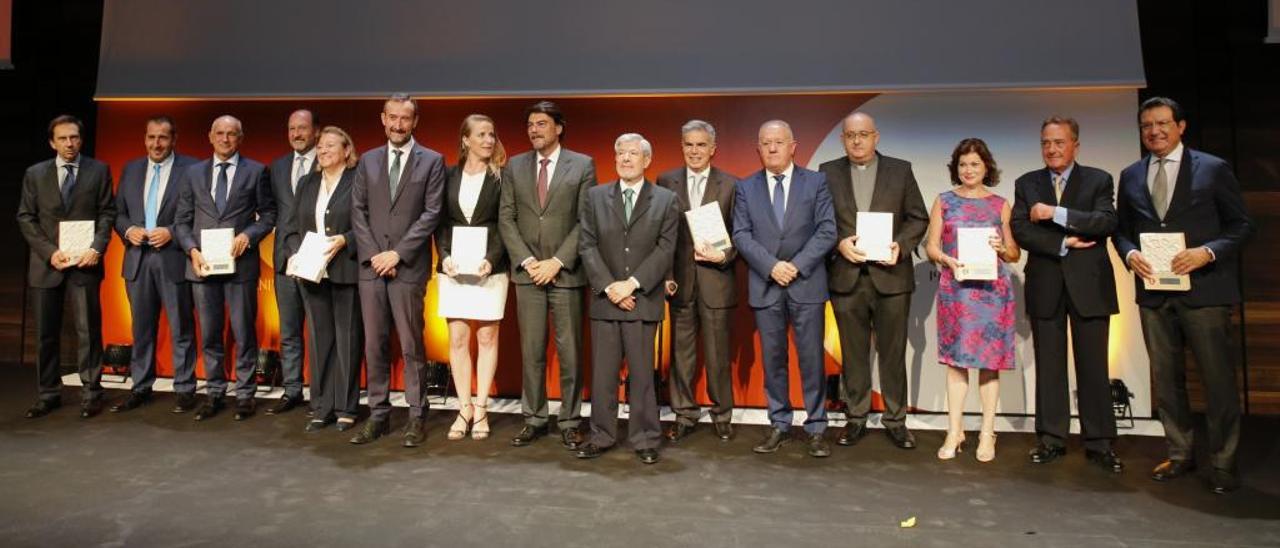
(1159, 248)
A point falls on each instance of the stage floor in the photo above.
(150, 478)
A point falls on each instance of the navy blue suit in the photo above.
(289, 306)
(806, 235)
(1207, 208)
(155, 277)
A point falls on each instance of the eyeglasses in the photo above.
(1162, 124)
(859, 135)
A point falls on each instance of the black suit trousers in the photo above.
(858, 314)
(49, 304)
(1089, 338)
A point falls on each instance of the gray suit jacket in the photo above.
(614, 249)
(250, 209)
(714, 285)
(40, 209)
(529, 230)
(286, 199)
(402, 223)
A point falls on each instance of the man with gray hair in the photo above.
(626, 240)
(701, 287)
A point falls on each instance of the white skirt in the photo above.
(469, 298)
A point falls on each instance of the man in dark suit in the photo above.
(538, 219)
(627, 239)
(395, 207)
(154, 266)
(286, 172)
(226, 191)
(1063, 215)
(784, 226)
(69, 187)
(1177, 189)
(701, 287)
(869, 296)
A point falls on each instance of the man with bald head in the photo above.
(784, 227)
(285, 172)
(873, 296)
(226, 191)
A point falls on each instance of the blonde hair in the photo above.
(499, 158)
(352, 159)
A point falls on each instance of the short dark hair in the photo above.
(164, 119)
(315, 120)
(395, 98)
(1157, 102)
(66, 119)
(550, 109)
(1062, 121)
(974, 145)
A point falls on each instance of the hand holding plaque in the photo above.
(215, 246)
(1159, 249)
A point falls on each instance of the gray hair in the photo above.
(778, 124)
(230, 120)
(633, 138)
(698, 125)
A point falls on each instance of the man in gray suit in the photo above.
(154, 266)
(538, 219)
(702, 288)
(286, 171)
(395, 207)
(226, 191)
(68, 187)
(873, 296)
(627, 239)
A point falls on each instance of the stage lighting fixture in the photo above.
(115, 359)
(267, 372)
(1120, 403)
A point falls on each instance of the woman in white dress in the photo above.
(473, 289)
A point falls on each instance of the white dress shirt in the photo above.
(1171, 164)
(234, 160)
(786, 183)
(407, 149)
(301, 169)
(166, 169)
(693, 177)
(62, 170)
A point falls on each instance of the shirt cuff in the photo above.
(1213, 257)
(1062, 250)
(1060, 216)
(634, 281)
(1126, 255)
(525, 263)
(558, 260)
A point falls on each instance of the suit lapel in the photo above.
(238, 184)
(488, 195)
(51, 183)
(406, 173)
(642, 202)
(557, 177)
(711, 190)
(452, 188)
(878, 191)
(765, 200)
(615, 203)
(206, 183)
(682, 189)
(1182, 188)
(166, 199)
(1073, 186)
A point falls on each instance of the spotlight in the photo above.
(267, 373)
(437, 380)
(116, 358)
(1120, 398)
(835, 395)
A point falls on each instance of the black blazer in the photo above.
(715, 285)
(1206, 207)
(281, 171)
(40, 209)
(486, 215)
(250, 210)
(343, 268)
(131, 211)
(613, 249)
(1085, 273)
(896, 192)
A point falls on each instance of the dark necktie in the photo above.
(779, 199)
(68, 184)
(542, 182)
(220, 189)
(395, 172)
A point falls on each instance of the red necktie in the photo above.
(542, 182)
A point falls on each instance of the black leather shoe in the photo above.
(648, 456)
(1045, 453)
(1222, 481)
(134, 401)
(590, 451)
(186, 402)
(528, 435)
(852, 433)
(1108, 460)
(42, 408)
(343, 426)
(244, 409)
(415, 432)
(774, 441)
(90, 408)
(1170, 469)
(210, 408)
(818, 446)
(572, 438)
(679, 431)
(724, 431)
(901, 437)
(316, 425)
(285, 404)
(373, 429)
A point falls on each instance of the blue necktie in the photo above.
(779, 199)
(220, 190)
(153, 200)
(68, 184)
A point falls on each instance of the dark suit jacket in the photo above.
(713, 284)
(808, 233)
(529, 230)
(343, 268)
(402, 223)
(40, 209)
(1086, 273)
(1206, 207)
(250, 210)
(895, 192)
(614, 249)
(486, 215)
(281, 173)
(131, 211)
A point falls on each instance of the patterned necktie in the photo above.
(68, 184)
(153, 198)
(543, 188)
(779, 199)
(627, 203)
(1160, 189)
(395, 171)
(220, 190)
(302, 172)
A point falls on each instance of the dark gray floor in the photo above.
(149, 478)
